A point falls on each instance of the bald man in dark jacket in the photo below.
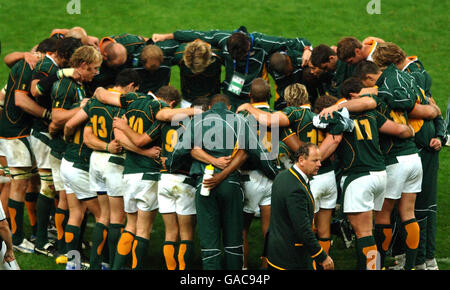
(291, 243)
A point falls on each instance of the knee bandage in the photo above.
(47, 186)
(5, 175)
(21, 173)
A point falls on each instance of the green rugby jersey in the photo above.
(343, 72)
(152, 81)
(266, 140)
(425, 129)
(14, 122)
(133, 44)
(393, 146)
(395, 89)
(220, 132)
(415, 68)
(170, 134)
(101, 118)
(262, 46)
(301, 123)
(66, 95)
(43, 69)
(284, 153)
(282, 80)
(141, 113)
(204, 84)
(359, 151)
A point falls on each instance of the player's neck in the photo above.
(118, 89)
(402, 65)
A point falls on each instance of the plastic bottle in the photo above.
(209, 171)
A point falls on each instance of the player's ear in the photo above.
(84, 66)
(131, 87)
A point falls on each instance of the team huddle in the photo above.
(92, 126)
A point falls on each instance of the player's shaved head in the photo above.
(260, 90)
(152, 56)
(278, 62)
(115, 54)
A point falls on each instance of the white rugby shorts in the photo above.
(139, 194)
(365, 193)
(104, 175)
(257, 191)
(404, 176)
(175, 195)
(324, 190)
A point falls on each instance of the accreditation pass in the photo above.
(237, 83)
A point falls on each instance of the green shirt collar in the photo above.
(389, 70)
(220, 106)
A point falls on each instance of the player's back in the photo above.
(359, 150)
(14, 121)
(141, 113)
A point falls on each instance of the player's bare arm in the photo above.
(202, 156)
(395, 129)
(237, 161)
(27, 104)
(126, 143)
(329, 145)
(265, 118)
(161, 37)
(74, 122)
(354, 105)
(61, 116)
(93, 142)
(426, 112)
(140, 140)
(178, 114)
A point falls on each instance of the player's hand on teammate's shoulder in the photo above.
(99, 92)
(243, 107)
(32, 58)
(328, 112)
